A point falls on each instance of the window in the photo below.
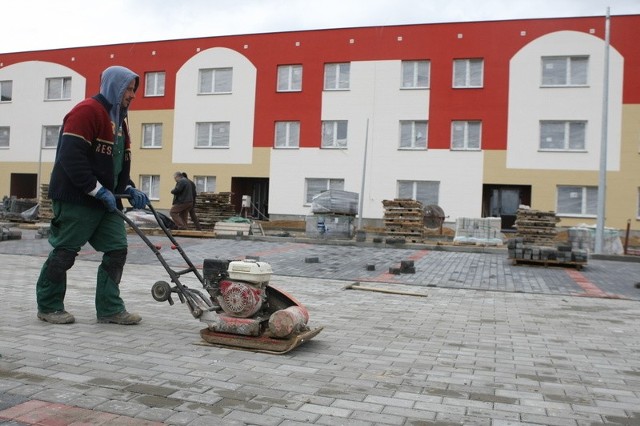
(427, 192)
(50, 136)
(154, 84)
(565, 70)
(205, 183)
(466, 135)
(215, 80)
(287, 134)
(336, 76)
(58, 88)
(150, 185)
(415, 74)
(212, 135)
(467, 72)
(289, 78)
(152, 135)
(334, 134)
(413, 135)
(316, 186)
(563, 135)
(5, 132)
(577, 200)
(6, 91)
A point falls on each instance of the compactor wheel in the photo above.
(161, 291)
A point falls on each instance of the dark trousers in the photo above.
(71, 227)
(179, 214)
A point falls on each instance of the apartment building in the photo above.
(476, 117)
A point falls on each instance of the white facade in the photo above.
(529, 103)
(26, 117)
(375, 97)
(237, 107)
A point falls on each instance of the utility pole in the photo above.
(602, 181)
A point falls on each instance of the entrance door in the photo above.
(258, 190)
(503, 201)
(24, 185)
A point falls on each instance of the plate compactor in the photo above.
(241, 309)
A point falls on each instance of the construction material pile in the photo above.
(535, 242)
(478, 231)
(45, 213)
(212, 207)
(334, 213)
(536, 227)
(404, 217)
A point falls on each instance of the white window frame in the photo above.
(466, 135)
(572, 139)
(415, 74)
(65, 89)
(287, 135)
(585, 200)
(413, 135)
(151, 135)
(289, 78)
(314, 186)
(50, 136)
(150, 185)
(425, 191)
(332, 132)
(465, 73)
(218, 134)
(5, 136)
(6, 91)
(154, 83)
(638, 210)
(573, 71)
(204, 183)
(213, 81)
(337, 76)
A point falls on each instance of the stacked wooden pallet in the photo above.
(536, 227)
(404, 218)
(212, 207)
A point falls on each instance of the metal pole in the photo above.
(602, 181)
(364, 172)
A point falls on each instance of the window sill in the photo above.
(565, 86)
(566, 151)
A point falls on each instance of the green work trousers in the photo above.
(72, 227)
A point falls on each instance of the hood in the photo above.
(113, 83)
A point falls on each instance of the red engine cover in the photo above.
(240, 299)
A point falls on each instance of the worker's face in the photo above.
(129, 94)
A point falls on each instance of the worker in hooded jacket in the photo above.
(93, 162)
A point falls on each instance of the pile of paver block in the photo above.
(478, 231)
(522, 252)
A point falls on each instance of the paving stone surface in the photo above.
(468, 338)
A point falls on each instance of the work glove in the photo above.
(107, 199)
(138, 199)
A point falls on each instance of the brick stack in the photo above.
(403, 218)
(45, 212)
(536, 227)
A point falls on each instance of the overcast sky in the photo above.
(49, 24)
